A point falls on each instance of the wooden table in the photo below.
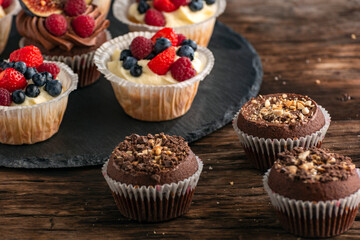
(310, 47)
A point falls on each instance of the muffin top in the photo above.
(313, 174)
(152, 160)
(281, 115)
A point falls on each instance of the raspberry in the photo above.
(168, 33)
(1, 2)
(30, 55)
(75, 7)
(12, 80)
(6, 3)
(179, 3)
(83, 25)
(182, 69)
(49, 67)
(5, 97)
(141, 47)
(56, 24)
(162, 62)
(181, 38)
(154, 18)
(164, 5)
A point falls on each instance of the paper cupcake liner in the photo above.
(103, 5)
(314, 219)
(150, 102)
(263, 152)
(154, 204)
(5, 24)
(36, 123)
(82, 64)
(199, 32)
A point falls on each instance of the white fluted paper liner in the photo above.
(35, 123)
(82, 64)
(151, 102)
(265, 150)
(309, 211)
(199, 32)
(6, 22)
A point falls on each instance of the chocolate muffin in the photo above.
(156, 173)
(269, 124)
(315, 192)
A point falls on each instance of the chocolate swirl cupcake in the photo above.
(315, 192)
(158, 170)
(267, 125)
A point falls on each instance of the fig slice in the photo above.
(42, 8)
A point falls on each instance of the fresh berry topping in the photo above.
(30, 72)
(143, 7)
(162, 62)
(150, 56)
(168, 33)
(190, 43)
(186, 51)
(48, 76)
(154, 17)
(4, 65)
(181, 38)
(210, 2)
(124, 54)
(30, 55)
(1, 2)
(75, 7)
(6, 3)
(136, 71)
(39, 79)
(12, 80)
(52, 68)
(83, 25)
(56, 24)
(53, 87)
(20, 67)
(196, 5)
(161, 45)
(18, 96)
(182, 69)
(141, 47)
(164, 5)
(129, 62)
(32, 91)
(179, 3)
(5, 97)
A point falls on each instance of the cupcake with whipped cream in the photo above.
(193, 18)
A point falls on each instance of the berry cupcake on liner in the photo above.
(154, 19)
(33, 96)
(315, 193)
(157, 79)
(152, 178)
(269, 124)
(68, 33)
(8, 8)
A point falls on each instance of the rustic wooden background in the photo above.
(310, 47)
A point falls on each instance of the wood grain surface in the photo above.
(310, 47)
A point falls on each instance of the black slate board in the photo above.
(94, 122)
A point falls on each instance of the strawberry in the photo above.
(168, 33)
(164, 5)
(163, 61)
(179, 3)
(12, 80)
(30, 55)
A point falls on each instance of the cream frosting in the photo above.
(147, 77)
(181, 17)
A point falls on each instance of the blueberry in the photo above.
(20, 67)
(190, 43)
(39, 79)
(210, 2)
(161, 45)
(2, 63)
(18, 96)
(32, 91)
(125, 53)
(196, 5)
(129, 62)
(186, 51)
(150, 56)
(10, 65)
(136, 71)
(30, 72)
(53, 87)
(48, 76)
(143, 6)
